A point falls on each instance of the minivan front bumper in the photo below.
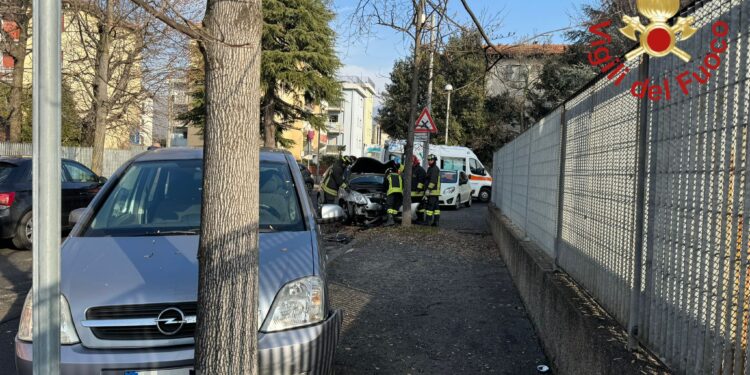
(307, 350)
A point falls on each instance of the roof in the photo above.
(20, 159)
(184, 153)
(528, 49)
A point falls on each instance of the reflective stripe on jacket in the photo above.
(433, 181)
(395, 184)
(334, 179)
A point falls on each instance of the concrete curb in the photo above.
(577, 334)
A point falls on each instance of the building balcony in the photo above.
(334, 128)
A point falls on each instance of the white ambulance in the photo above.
(452, 158)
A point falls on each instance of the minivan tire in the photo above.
(484, 195)
(21, 239)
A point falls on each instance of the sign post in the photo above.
(424, 128)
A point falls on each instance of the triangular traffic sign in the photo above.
(425, 123)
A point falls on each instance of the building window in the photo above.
(333, 118)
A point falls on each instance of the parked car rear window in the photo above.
(6, 169)
(448, 177)
(164, 198)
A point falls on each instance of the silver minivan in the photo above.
(130, 273)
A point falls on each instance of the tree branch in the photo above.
(183, 28)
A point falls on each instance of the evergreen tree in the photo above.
(196, 76)
(298, 66)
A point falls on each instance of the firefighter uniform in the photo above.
(333, 181)
(394, 194)
(418, 179)
(433, 193)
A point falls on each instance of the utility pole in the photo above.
(46, 186)
(431, 75)
(449, 89)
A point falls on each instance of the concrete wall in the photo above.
(578, 335)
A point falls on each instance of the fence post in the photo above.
(635, 292)
(561, 184)
(528, 185)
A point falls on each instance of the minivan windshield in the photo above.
(161, 198)
(448, 177)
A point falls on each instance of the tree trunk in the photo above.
(15, 102)
(226, 333)
(269, 126)
(100, 106)
(409, 147)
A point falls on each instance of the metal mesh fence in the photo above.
(695, 289)
(599, 192)
(693, 295)
(544, 171)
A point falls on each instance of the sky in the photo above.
(373, 56)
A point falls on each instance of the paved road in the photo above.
(432, 302)
(15, 281)
(410, 308)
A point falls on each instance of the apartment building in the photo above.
(350, 122)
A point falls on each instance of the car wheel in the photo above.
(349, 213)
(24, 230)
(484, 195)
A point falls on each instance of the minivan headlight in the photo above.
(449, 190)
(299, 303)
(68, 333)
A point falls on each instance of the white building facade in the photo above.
(350, 124)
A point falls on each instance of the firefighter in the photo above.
(418, 178)
(433, 192)
(334, 180)
(395, 192)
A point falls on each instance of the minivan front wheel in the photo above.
(484, 195)
(24, 231)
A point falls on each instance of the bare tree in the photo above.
(228, 256)
(14, 35)
(401, 17)
(116, 61)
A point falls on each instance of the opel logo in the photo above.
(170, 321)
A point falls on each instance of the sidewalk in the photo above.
(429, 301)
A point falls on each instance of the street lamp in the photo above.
(449, 89)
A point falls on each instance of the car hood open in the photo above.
(369, 165)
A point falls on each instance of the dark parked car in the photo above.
(307, 176)
(79, 186)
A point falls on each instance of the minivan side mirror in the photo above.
(76, 215)
(331, 213)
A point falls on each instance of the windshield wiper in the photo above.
(189, 232)
(267, 229)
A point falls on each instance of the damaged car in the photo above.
(364, 194)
